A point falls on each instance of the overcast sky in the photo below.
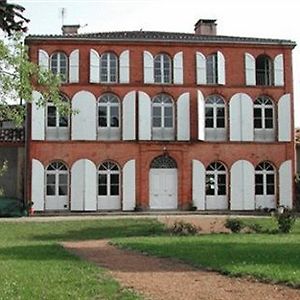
(250, 18)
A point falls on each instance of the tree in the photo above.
(11, 18)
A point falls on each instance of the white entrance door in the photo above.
(163, 188)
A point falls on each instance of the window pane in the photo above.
(270, 178)
(220, 123)
(269, 113)
(102, 111)
(114, 115)
(222, 190)
(63, 121)
(102, 190)
(114, 190)
(259, 190)
(50, 190)
(209, 123)
(270, 189)
(220, 112)
(156, 111)
(257, 113)
(102, 179)
(63, 179)
(114, 178)
(51, 116)
(269, 123)
(169, 111)
(156, 122)
(210, 186)
(222, 179)
(209, 112)
(63, 190)
(168, 122)
(50, 179)
(257, 123)
(258, 179)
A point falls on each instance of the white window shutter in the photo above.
(124, 67)
(94, 66)
(279, 70)
(183, 117)
(247, 118)
(201, 116)
(43, 60)
(286, 184)
(250, 72)
(148, 67)
(178, 68)
(37, 185)
(74, 66)
(83, 186)
(129, 116)
(201, 68)
(284, 118)
(144, 117)
(221, 68)
(129, 195)
(84, 122)
(37, 117)
(242, 191)
(198, 184)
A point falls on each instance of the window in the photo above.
(108, 179)
(263, 113)
(59, 65)
(108, 111)
(163, 117)
(215, 179)
(57, 179)
(214, 112)
(212, 69)
(108, 68)
(54, 119)
(264, 70)
(163, 162)
(162, 69)
(264, 179)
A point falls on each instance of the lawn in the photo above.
(271, 257)
(34, 266)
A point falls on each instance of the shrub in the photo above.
(235, 225)
(285, 220)
(184, 228)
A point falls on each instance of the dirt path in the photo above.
(164, 279)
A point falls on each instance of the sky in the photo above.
(249, 18)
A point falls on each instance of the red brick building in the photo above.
(165, 121)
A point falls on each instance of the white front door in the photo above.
(163, 188)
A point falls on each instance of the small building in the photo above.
(165, 121)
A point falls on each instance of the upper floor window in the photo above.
(214, 112)
(263, 113)
(264, 70)
(54, 118)
(59, 65)
(108, 68)
(163, 117)
(212, 69)
(162, 69)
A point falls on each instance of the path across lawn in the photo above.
(165, 279)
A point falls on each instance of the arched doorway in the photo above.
(163, 183)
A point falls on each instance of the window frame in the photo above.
(160, 70)
(63, 76)
(264, 169)
(215, 170)
(212, 72)
(261, 104)
(264, 75)
(109, 168)
(107, 71)
(58, 168)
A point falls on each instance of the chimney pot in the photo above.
(70, 29)
(206, 27)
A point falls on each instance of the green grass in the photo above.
(34, 266)
(268, 257)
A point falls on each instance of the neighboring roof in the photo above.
(158, 36)
(297, 135)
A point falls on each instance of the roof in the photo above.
(159, 36)
(297, 135)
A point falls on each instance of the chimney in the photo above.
(70, 29)
(206, 27)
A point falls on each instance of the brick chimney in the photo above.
(70, 29)
(206, 27)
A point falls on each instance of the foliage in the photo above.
(183, 228)
(11, 17)
(17, 75)
(235, 225)
(285, 220)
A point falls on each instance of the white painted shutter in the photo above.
(84, 122)
(201, 116)
(37, 117)
(241, 118)
(178, 68)
(83, 186)
(37, 185)
(128, 116)
(148, 67)
(278, 70)
(129, 195)
(286, 184)
(250, 69)
(74, 66)
(221, 68)
(284, 118)
(242, 188)
(201, 68)
(198, 185)
(124, 67)
(144, 117)
(43, 60)
(183, 117)
(94, 66)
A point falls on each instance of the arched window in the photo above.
(264, 179)
(163, 162)
(264, 70)
(216, 179)
(162, 69)
(108, 111)
(212, 69)
(108, 68)
(214, 112)
(59, 65)
(57, 179)
(108, 179)
(54, 118)
(163, 117)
